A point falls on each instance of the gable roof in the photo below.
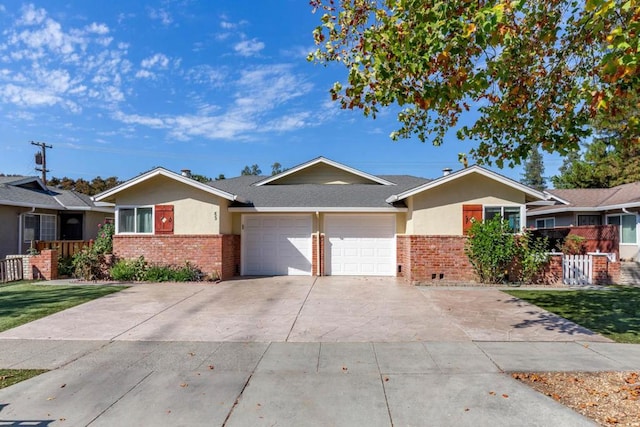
(168, 174)
(464, 172)
(317, 197)
(30, 192)
(322, 160)
(593, 199)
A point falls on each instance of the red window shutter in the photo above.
(470, 213)
(164, 219)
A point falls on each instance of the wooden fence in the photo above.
(65, 248)
(11, 270)
(577, 269)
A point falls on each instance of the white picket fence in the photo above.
(577, 269)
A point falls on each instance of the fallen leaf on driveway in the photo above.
(63, 386)
(184, 385)
(506, 396)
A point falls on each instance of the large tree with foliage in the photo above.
(534, 170)
(536, 71)
(612, 158)
(251, 170)
(93, 187)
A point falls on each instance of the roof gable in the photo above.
(475, 169)
(324, 172)
(109, 194)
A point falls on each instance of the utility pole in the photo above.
(41, 159)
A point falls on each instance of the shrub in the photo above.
(532, 256)
(166, 273)
(129, 270)
(65, 266)
(491, 248)
(104, 242)
(573, 245)
(86, 264)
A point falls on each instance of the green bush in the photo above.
(139, 270)
(65, 266)
(491, 248)
(87, 264)
(129, 270)
(532, 256)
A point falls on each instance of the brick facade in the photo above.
(314, 255)
(213, 254)
(44, 266)
(605, 272)
(433, 259)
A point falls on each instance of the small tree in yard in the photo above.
(491, 248)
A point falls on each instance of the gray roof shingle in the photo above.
(317, 195)
(594, 197)
(15, 192)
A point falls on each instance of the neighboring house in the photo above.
(30, 211)
(595, 206)
(318, 218)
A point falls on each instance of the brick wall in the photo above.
(44, 266)
(433, 259)
(314, 255)
(552, 272)
(213, 254)
(604, 271)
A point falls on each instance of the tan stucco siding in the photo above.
(9, 224)
(322, 174)
(438, 211)
(91, 221)
(195, 211)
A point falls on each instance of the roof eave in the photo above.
(328, 162)
(166, 173)
(464, 172)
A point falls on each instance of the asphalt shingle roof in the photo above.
(595, 197)
(317, 195)
(12, 193)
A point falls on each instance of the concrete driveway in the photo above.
(304, 309)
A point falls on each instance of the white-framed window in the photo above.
(545, 222)
(134, 220)
(628, 229)
(511, 214)
(38, 227)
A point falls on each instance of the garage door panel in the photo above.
(276, 245)
(360, 245)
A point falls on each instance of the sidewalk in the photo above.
(291, 384)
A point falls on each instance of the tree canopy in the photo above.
(91, 188)
(530, 72)
(251, 170)
(534, 171)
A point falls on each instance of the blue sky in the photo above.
(119, 87)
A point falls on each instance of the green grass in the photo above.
(613, 312)
(24, 302)
(12, 376)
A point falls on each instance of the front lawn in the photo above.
(12, 376)
(613, 312)
(24, 302)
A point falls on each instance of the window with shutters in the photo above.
(134, 220)
(163, 219)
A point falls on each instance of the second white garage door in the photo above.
(276, 245)
(360, 245)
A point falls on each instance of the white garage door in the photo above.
(276, 245)
(362, 245)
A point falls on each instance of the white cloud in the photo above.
(158, 60)
(58, 66)
(96, 28)
(145, 74)
(160, 15)
(206, 75)
(249, 47)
